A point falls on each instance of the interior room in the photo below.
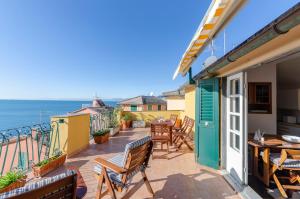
(273, 111)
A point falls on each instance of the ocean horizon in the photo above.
(18, 113)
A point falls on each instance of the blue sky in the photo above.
(73, 49)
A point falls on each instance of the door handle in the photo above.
(206, 124)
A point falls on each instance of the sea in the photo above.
(18, 113)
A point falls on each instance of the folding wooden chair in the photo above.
(288, 160)
(118, 171)
(183, 126)
(161, 135)
(185, 135)
(177, 131)
(173, 118)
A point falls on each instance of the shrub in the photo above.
(126, 117)
(115, 118)
(10, 177)
(56, 154)
(101, 132)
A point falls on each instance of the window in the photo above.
(149, 107)
(235, 114)
(133, 108)
(207, 110)
(260, 97)
(159, 107)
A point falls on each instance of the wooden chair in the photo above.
(161, 135)
(173, 118)
(182, 137)
(60, 186)
(183, 126)
(118, 171)
(288, 160)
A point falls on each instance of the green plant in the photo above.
(43, 162)
(115, 118)
(126, 117)
(56, 154)
(10, 177)
(101, 132)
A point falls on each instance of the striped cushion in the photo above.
(116, 178)
(35, 185)
(133, 145)
(288, 163)
(120, 160)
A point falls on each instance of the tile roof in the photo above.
(140, 100)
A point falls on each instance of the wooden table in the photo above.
(271, 143)
(170, 125)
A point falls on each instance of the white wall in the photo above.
(289, 99)
(175, 104)
(266, 122)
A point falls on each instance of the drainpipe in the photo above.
(191, 80)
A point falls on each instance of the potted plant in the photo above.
(114, 126)
(101, 136)
(12, 180)
(126, 121)
(45, 166)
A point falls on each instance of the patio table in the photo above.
(170, 125)
(271, 142)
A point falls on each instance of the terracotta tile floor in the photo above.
(176, 177)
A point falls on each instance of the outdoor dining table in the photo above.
(271, 142)
(170, 125)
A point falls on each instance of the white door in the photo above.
(236, 131)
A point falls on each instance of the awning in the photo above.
(217, 15)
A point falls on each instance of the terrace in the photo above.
(176, 177)
(179, 176)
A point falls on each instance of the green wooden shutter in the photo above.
(206, 107)
(207, 123)
(133, 108)
(149, 107)
(159, 107)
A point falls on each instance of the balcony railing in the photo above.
(21, 147)
(101, 121)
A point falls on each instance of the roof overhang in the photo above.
(278, 38)
(217, 16)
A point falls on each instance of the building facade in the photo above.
(143, 103)
(255, 87)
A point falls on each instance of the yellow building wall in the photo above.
(148, 116)
(190, 104)
(74, 132)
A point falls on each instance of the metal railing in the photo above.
(24, 146)
(100, 121)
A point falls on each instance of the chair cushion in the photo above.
(133, 145)
(35, 185)
(115, 178)
(288, 163)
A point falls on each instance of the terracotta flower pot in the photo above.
(126, 124)
(101, 138)
(39, 171)
(19, 183)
